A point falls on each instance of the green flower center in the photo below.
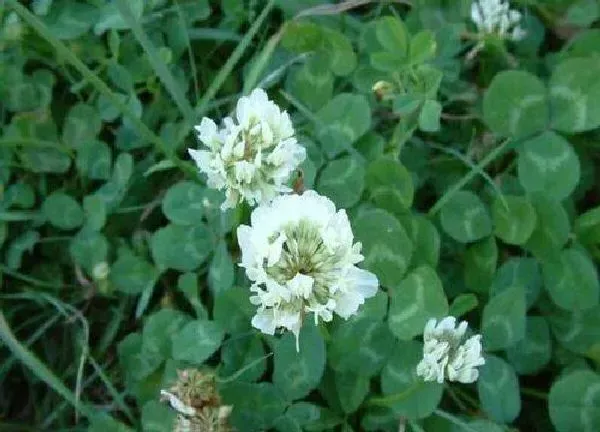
(304, 252)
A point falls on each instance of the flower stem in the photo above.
(395, 397)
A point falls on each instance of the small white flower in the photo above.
(252, 156)
(300, 256)
(496, 17)
(445, 354)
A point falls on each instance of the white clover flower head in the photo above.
(496, 17)
(446, 356)
(252, 155)
(300, 256)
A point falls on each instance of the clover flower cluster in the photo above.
(446, 356)
(252, 155)
(298, 250)
(195, 399)
(496, 17)
(300, 256)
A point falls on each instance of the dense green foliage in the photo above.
(470, 175)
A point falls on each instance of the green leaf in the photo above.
(548, 164)
(69, 21)
(422, 47)
(515, 104)
(95, 212)
(574, 402)
(221, 272)
(296, 373)
(82, 124)
(338, 51)
(62, 211)
(113, 191)
(552, 229)
(187, 283)
(159, 329)
(243, 354)
(104, 422)
(343, 121)
(255, 406)
(503, 321)
(582, 13)
(181, 248)
(416, 398)
(88, 248)
(387, 248)
(392, 35)
(498, 388)
(183, 204)
(575, 95)
(390, 185)
(18, 195)
(514, 219)
(342, 180)
(429, 117)
(136, 362)
(405, 104)
(301, 36)
(303, 413)
(578, 331)
(352, 388)
(533, 352)
(110, 17)
(465, 218)
(157, 417)
(196, 341)
(23, 243)
(94, 159)
(132, 275)
(480, 264)
(311, 83)
(369, 352)
(462, 304)
(519, 271)
(425, 238)
(419, 297)
(572, 280)
(233, 310)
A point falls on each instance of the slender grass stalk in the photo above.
(237, 374)
(233, 59)
(468, 177)
(39, 332)
(454, 420)
(39, 369)
(159, 66)
(183, 25)
(474, 167)
(396, 397)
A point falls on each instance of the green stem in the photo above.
(396, 397)
(534, 393)
(29, 279)
(39, 369)
(455, 420)
(468, 177)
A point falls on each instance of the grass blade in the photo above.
(39, 369)
(468, 177)
(161, 69)
(233, 59)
